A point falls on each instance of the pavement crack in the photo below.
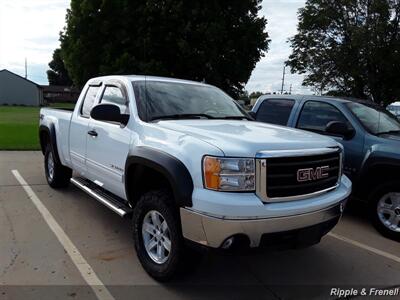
(263, 285)
(13, 240)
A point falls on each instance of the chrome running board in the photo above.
(109, 200)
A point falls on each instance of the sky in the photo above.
(30, 29)
(282, 24)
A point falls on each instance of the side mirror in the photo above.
(340, 129)
(109, 113)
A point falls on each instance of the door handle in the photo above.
(92, 133)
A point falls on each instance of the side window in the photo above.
(114, 95)
(316, 115)
(89, 100)
(275, 111)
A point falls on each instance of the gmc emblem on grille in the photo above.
(312, 174)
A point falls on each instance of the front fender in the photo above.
(170, 167)
(377, 167)
(379, 155)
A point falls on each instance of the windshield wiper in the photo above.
(182, 116)
(389, 132)
(235, 118)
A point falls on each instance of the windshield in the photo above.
(171, 100)
(375, 119)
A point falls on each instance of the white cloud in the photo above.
(282, 24)
(30, 29)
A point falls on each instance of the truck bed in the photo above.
(60, 119)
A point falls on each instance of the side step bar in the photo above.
(101, 195)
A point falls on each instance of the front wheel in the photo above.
(157, 235)
(385, 210)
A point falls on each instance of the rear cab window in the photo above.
(89, 101)
(275, 111)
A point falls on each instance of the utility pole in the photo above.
(26, 68)
(283, 79)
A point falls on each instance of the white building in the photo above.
(394, 108)
(16, 90)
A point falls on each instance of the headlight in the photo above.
(229, 174)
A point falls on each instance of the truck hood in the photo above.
(246, 138)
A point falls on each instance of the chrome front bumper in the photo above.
(212, 232)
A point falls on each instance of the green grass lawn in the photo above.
(19, 126)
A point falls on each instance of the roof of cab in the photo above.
(145, 77)
(313, 97)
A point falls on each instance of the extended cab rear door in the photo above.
(276, 111)
(108, 143)
(79, 126)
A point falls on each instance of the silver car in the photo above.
(394, 108)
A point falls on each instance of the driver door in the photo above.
(315, 116)
(108, 144)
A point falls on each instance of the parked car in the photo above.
(191, 167)
(394, 108)
(371, 140)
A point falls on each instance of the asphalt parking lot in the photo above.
(36, 264)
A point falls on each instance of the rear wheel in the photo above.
(385, 210)
(57, 175)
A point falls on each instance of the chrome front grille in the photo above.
(297, 174)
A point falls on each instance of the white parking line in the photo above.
(84, 268)
(365, 247)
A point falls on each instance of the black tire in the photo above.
(60, 175)
(376, 196)
(161, 202)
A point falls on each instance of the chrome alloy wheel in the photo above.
(156, 237)
(388, 210)
(50, 165)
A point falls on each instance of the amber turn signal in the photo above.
(212, 169)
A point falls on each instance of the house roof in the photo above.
(59, 89)
(5, 70)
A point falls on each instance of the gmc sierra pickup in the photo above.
(190, 167)
(370, 136)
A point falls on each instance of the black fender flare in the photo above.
(51, 132)
(374, 161)
(169, 166)
(368, 165)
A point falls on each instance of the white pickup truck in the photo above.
(190, 166)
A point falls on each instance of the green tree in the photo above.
(218, 41)
(350, 46)
(256, 95)
(58, 75)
